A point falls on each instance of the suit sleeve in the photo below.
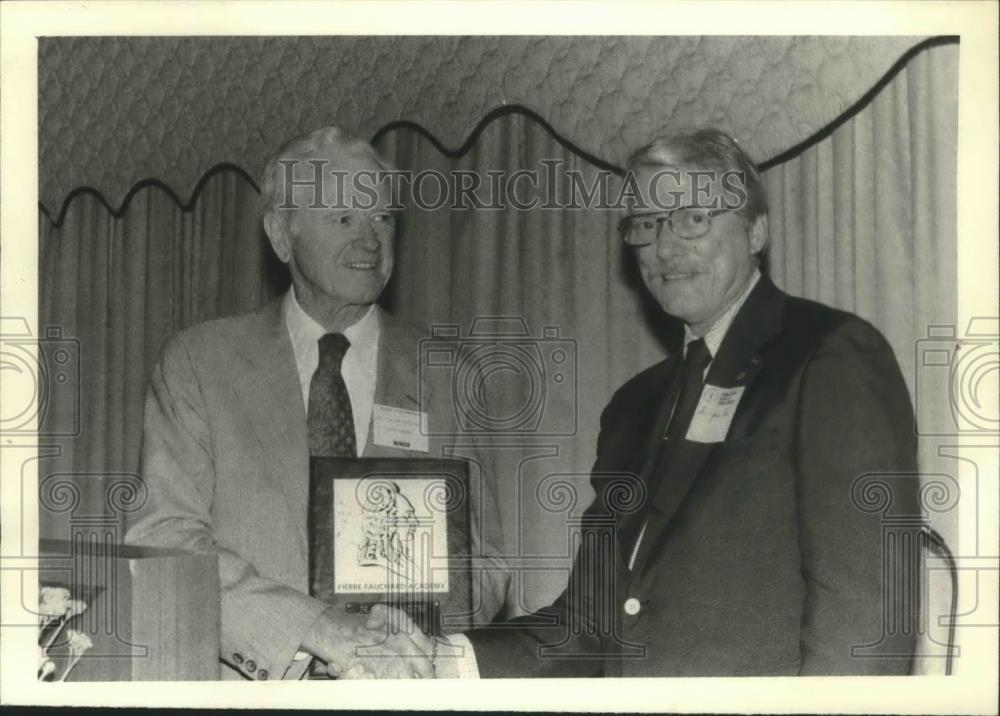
(565, 638)
(855, 418)
(263, 621)
(558, 641)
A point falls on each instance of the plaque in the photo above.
(392, 531)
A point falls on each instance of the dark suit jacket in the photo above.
(757, 558)
(226, 460)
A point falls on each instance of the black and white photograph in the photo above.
(654, 346)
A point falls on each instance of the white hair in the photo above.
(309, 145)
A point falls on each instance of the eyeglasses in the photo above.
(689, 222)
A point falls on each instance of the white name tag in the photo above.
(714, 413)
(399, 428)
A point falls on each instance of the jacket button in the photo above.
(238, 658)
(632, 606)
(262, 674)
(251, 666)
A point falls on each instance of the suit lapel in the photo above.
(398, 382)
(737, 364)
(269, 390)
(660, 408)
(757, 322)
(647, 415)
(272, 398)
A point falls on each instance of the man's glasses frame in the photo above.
(685, 228)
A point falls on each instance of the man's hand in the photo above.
(385, 646)
(445, 656)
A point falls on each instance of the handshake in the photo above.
(384, 645)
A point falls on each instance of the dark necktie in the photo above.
(330, 419)
(690, 382)
(696, 359)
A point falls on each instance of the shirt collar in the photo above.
(305, 331)
(713, 339)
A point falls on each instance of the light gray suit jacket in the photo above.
(226, 462)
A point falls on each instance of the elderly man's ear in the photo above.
(279, 234)
(759, 233)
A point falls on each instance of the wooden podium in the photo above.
(152, 614)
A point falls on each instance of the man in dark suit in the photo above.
(723, 538)
(237, 406)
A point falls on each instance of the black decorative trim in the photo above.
(143, 184)
(491, 117)
(863, 102)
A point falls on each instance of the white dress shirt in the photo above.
(360, 366)
(713, 339)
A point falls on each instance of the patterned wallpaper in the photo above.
(114, 110)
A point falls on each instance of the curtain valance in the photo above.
(114, 111)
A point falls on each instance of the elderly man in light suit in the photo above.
(226, 443)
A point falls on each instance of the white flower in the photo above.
(74, 607)
(46, 670)
(54, 601)
(78, 642)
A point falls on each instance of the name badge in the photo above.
(399, 428)
(714, 413)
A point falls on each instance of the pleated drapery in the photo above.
(866, 221)
(121, 286)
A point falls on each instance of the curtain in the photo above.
(863, 220)
(866, 221)
(121, 287)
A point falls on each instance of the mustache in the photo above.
(674, 267)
